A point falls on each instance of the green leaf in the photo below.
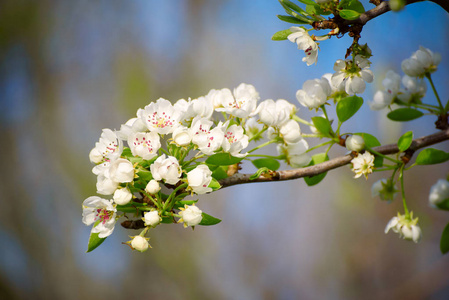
(94, 241)
(220, 173)
(405, 141)
(214, 184)
(314, 9)
(281, 35)
(404, 114)
(431, 156)
(316, 159)
(258, 173)
(347, 107)
(269, 163)
(352, 5)
(292, 6)
(145, 175)
(168, 220)
(290, 19)
(310, 2)
(370, 140)
(348, 14)
(296, 15)
(184, 202)
(323, 126)
(208, 220)
(223, 159)
(444, 243)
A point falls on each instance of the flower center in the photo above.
(103, 215)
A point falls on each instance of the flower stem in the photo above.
(299, 120)
(262, 145)
(404, 203)
(429, 77)
(258, 134)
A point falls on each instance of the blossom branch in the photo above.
(335, 163)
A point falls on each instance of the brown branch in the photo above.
(334, 163)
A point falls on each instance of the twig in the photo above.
(334, 163)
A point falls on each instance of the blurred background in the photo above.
(70, 68)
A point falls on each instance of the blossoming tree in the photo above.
(155, 164)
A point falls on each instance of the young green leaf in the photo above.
(184, 202)
(316, 159)
(94, 241)
(220, 173)
(444, 243)
(258, 173)
(431, 156)
(214, 184)
(352, 5)
(222, 159)
(292, 6)
(347, 107)
(208, 220)
(290, 19)
(269, 163)
(348, 14)
(323, 126)
(281, 35)
(404, 114)
(310, 2)
(405, 141)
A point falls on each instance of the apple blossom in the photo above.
(295, 153)
(422, 62)
(202, 107)
(121, 170)
(153, 187)
(191, 215)
(144, 144)
(301, 37)
(208, 140)
(182, 136)
(414, 89)
(314, 93)
(160, 116)
(385, 189)
(234, 140)
(131, 126)
(439, 193)
(105, 185)
(363, 164)
(199, 179)
(355, 143)
(109, 147)
(140, 243)
(252, 128)
(96, 209)
(352, 74)
(151, 218)
(275, 113)
(122, 196)
(244, 102)
(217, 97)
(382, 99)
(167, 169)
(406, 226)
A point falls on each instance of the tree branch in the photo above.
(334, 163)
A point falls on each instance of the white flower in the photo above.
(108, 148)
(208, 140)
(121, 170)
(385, 98)
(160, 116)
(105, 185)
(153, 187)
(314, 93)
(252, 128)
(182, 136)
(202, 107)
(140, 243)
(439, 193)
(290, 132)
(244, 102)
(96, 209)
(151, 218)
(185, 107)
(199, 179)
(167, 169)
(385, 189)
(122, 196)
(414, 89)
(144, 144)
(363, 164)
(131, 126)
(296, 155)
(301, 37)
(234, 140)
(217, 97)
(190, 215)
(407, 227)
(352, 74)
(421, 62)
(273, 113)
(355, 143)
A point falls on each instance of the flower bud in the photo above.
(396, 5)
(122, 170)
(385, 189)
(140, 243)
(355, 143)
(190, 215)
(290, 132)
(122, 196)
(95, 156)
(439, 195)
(153, 187)
(151, 218)
(181, 136)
